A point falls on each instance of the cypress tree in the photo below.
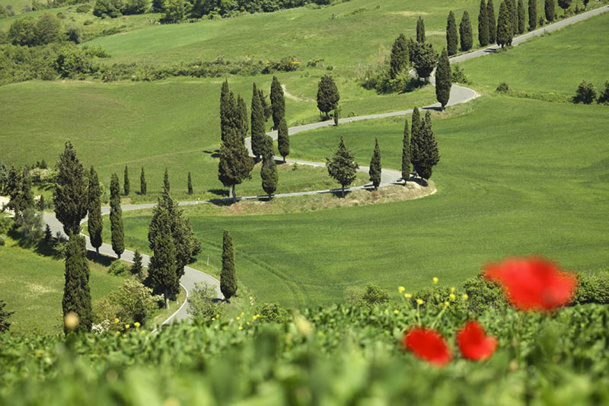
(70, 195)
(226, 109)
(420, 31)
(137, 268)
(564, 4)
(4, 316)
(258, 131)
(266, 108)
(327, 95)
(465, 32)
(14, 189)
(190, 191)
(452, 38)
(532, 14)
(335, 115)
(549, 9)
(483, 34)
(126, 185)
(342, 166)
(228, 278)
(521, 17)
(95, 223)
(235, 163)
(143, 182)
(27, 196)
(414, 133)
(426, 150)
(243, 121)
(513, 12)
(406, 153)
(504, 26)
(283, 139)
(166, 185)
(162, 267)
(492, 25)
(76, 292)
(277, 102)
(116, 217)
(269, 175)
(443, 79)
(41, 203)
(375, 166)
(424, 59)
(398, 61)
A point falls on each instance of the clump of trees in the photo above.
(586, 94)
(46, 29)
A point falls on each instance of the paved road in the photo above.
(459, 94)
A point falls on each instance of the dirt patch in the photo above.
(296, 98)
(409, 13)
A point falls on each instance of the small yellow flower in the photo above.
(465, 297)
(401, 289)
(137, 324)
(127, 326)
(452, 290)
(143, 332)
(446, 304)
(452, 297)
(407, 295)
(116, 320)
(243, 314)
(118, 333)
(435, 280)
(217, 316)
(248, 323)
(420, 301)
(240, 328)
(396, 312)
(213, 319)
(238, 318)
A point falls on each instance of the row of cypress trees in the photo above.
(144, 184)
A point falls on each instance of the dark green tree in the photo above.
(41, 203)
(269, 175)
(4, 316)
(327, 95)
(420, 31)
(243, 119)
(235, 163)
(266, 107)
(27, 196)
(504, 26)
(483, 35)
(95, 224)
(163, 264)
(258, 122)
(415, 131)
(532, 14)
(521, 17)
(137, 268)
(424, 59)
(228, 277)
(166, 185)
(190, 191)
(426, 150)
(126, 185)
(564, 4)
(143, 185)
(227, 109)
(511, 4)
(70, 196)
(603, 98)
(406, 153)
(549, 10)
(336, 114)
(452, 38)
(342, 166)
(492, 25)
(14, 189)
(76, 292)
(443, 79)
(116, 217)
(398, 61)
(375, 166)
(277, 102)
(465, 32)
(585, 93)
(283, 139)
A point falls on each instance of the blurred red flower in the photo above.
(533, 283)
(427, 344)
(474, 343)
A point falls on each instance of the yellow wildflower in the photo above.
(452, 297)
(238, 318)
(465, 297)
(407, 295)
(240, 328)
(243, 314)
(401, 289)
(137, 324)
(452, 290)
(420, 301)
(435, 280)
(447, 304)
(116, 320)
(396, 312)
(127, 326)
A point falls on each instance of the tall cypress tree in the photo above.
(443, 79)
(162, 267)
(228, 277)
(226, 109)
(243, 119)
(143, 185)
(269, 175)
(126, 185)
(565, 4)
(513, 9)
(521, 17)
(76, 292)
(483, 35)
(137, 268)
(257, 127)
(342, 166)
(14, 189)
(95, 223)
(327, 95)
(532, 14)
(235, 163)
(549, 10)
(116, 217)
(398, 61)
(426, 150)
(452, 38)
(415, 131)
(465, 32)
(420, 30)
(375, 166)
(166, 185)
(492, 25)
(266, 108)
(406, 153)
(283, 139)
(27, 196)
(190, 191)
(277, 102)
(504, 25)
(70, 195)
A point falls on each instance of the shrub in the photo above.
(83, 8)
(483, 295)
(585, 93)
(5, 224)
(603, 98)
(134, 301)
(369, 296)
(118, 268)
(272, 313)
(503, 88)
(458, 74)
(29, 225)
(202, 303)
(593, 289)
(2, 242)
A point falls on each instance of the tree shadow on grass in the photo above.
(219, 192)
(100, 259)
(213, 154)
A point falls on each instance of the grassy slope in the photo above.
(557, 63)
(32, 287)
(509, 184)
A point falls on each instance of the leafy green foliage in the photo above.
(504, 26)
(4, 316)
(134, 302)
(235, 163)
(137, 268)
(564, 4)
(327, 94)
(126, 184)
(70, 195)
(549, 10)
(76, 293)
(202, 303)
(277, 102)
(190, 189)
(370, 296)
(424, 59)
(283, 139)
(452, 38)
(521, 17)
(228, 277)
(342, 166)
(29, 225)
(492, 22)
(425, 149)
(163, 265)
(143, 186)
(406, 153)
(603, 98)
(398, 61)
(258, 124)
(118, 268)
(585, 93)
(593, 289)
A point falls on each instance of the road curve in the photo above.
(458, 95)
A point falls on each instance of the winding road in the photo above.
(458, 95)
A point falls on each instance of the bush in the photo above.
(118, 268)
(585, 93)
(5, 224)
(503, 88)
(483, 295)
(83, 8)
(2, 242)
(272, 313)
(593, 289)
(458, 75)
(603, 98)
(134, 301)
(369, 296)
(29, 225)
(202, 303)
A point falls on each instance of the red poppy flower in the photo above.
(427, 344)
(533, 283)
(474, 343)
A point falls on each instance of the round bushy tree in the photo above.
(327, 95)
(398, 61)
(342, 166)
